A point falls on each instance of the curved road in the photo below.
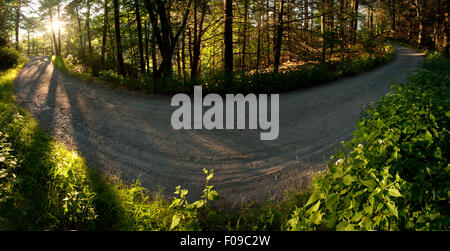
(130, 135)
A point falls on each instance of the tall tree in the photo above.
(228, 36)
(279, 37)
(105, 29)
(118, 37)
(139, 30)
(163, 29)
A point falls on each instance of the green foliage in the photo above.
(187, 212)
(394, 174)
(367, 61)
(58, 61)
(10, 58)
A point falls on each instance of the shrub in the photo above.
(9, 58)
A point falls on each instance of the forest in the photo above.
(86, 140)
(203, 41)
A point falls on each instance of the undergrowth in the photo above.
(303, 76)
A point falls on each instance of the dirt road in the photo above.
(130, 135)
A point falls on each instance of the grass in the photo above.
(58, 61)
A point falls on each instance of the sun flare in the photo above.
(56, 24)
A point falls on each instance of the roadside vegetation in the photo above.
(393, 175)
(358, 60)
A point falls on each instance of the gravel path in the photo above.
(130, 135)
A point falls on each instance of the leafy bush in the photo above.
(394, 174)
(366, 61)
(9, 58)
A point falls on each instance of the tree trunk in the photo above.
(198, 34)
(56, 50)
(354, 21)
(228, 36)
(59, 29)
(154, 59)
(391, 7)
(105, 30)
(446, 28)
(420, 19)
(140, 43)
(79, 31)
(88, 27)
(146, 39)
(118, 39)
(279, 38)
(258, 50)
(244, 39)
(306, 21)
(17, 24)
(165, 37)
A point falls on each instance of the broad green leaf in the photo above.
(175, 221)
(314, 197)
(392, 208)
(314, 208)
(348, 179)
(394, 192)
(331, 201)
(344, 226)
(316, 217)
(213, 195)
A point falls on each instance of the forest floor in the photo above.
(130, 135)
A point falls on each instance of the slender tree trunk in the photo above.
(17, 24)
(341, 23)
(79, 31)
(183, 54)
(446, 28)
(105, 29)
(146, 38)
(279, 38)
(88, 27)
(154, 59)
(330, 26)
(258, 50)
(354, 21)
(391, 7)
(244, 39)
(118, 38)
(59, 29)
(198, 34)
(140, 44)
(228, 36)
(306, 21)
(420, 19)
(56, 50)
